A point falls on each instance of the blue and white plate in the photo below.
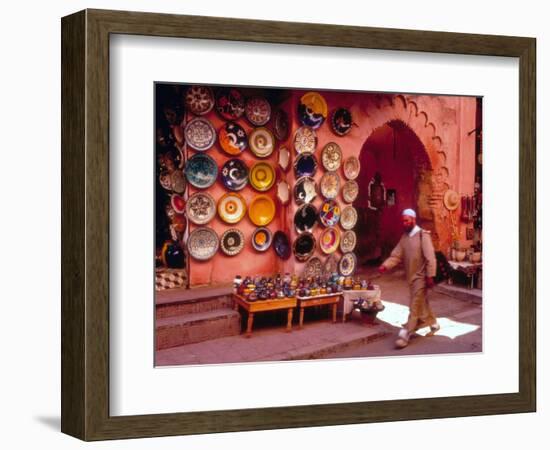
(201, 171)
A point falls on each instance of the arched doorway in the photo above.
(395, 162)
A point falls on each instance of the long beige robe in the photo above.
(418, 257)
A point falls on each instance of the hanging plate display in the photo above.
(200, 134)
(199, 100)
(305, 165)
(177, 181)
(231, 207)
(305, 140)
(329, 214)
(230, 103)
(232, 241)
(202, 243)
(200, 208)
(352, 168)
(283, 192)
(331, 156)
(330, 265)
(347, 264)
(348, 241)
(261, 210)
(329, 240)
(281, 126)
(341, 121)
(262, 142)
(201, 171)
(313, 268)
(281, 244)
(305, 218)
(284, 158)
(234, 174)
(261, 239)
(305, 190)
(303, 246)
(350, 191)
(330, 185)
(348, 219)
(312, 110)
(257, 111)
(178, 203)
(262, 176)
(232, 138)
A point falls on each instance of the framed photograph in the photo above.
(234, 252)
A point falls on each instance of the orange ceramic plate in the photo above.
(330, 240)
(231, 207)
(262, 176)
(261, 210)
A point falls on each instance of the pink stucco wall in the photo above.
(441, 125)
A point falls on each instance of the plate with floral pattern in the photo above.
(331, 156)
(348, 219)
(305, 140)
(200, 208)
(232, 241)
(200, 134)
(199, 100)
(203, 243)
(329, 213)
(330, 185)
(350, 191)
(230, 103)
(257, 111)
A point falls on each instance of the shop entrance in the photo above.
(395, 174)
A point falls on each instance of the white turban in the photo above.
(409, 212)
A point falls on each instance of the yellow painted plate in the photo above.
(261, 210)
(262, 176)
(231, 207)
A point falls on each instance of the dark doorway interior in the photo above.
(393, 162)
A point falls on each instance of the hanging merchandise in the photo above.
(330, 185)
(331, 156)
(281, 244)
(261, 239)
(200, 208)
(352, 166)
(347, 264)
(261, 210)
(312, 110)
(200, 134)
(262, 176)
(230, 103)
(305, 218)
(262, 142)
(341, 121)
(303, 246)
(305, 140)
(348, 219)
(233, 139)
(329, 240)
(305, 190)
(202, 243)
(281, 125)
(201, 171)
(305, 165)
(232, 242)
(350, 191)
(199, 100)
(231, 207)
(234, 174)
(313, 268)
(257, 111)
(329, 214)
(348, 241)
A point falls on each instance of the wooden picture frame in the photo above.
(85, 224)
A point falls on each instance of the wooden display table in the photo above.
(263, 306)
(318, 300)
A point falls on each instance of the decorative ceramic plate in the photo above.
(165, 180)
(329, 214)
(305, 218)
(331, 156)
(305, 165)
(329, 240)
(199, 100)
(330, 185)
(201, 171)
(202, 243)
(232, 241)
(232, 138)
(200, 134)
(303, 246)
(234, 174)
(230, 103)
(257, 111)
(262, 176)
(261, 239)
(262, 142)
(200, 208)
(305, 140)
(281, 125)
(350, 191)
(281, 244)
(348, 241)
(171, 159)
(283, 192)
(177, 181)
(347, 264)
(231, 207)
(352, 168)
(178, 203)
(284, 158)
(312, 110)
(341, 121)
(305, 190)
(330, 265)
(261, 210)
(348, 219)
(313, 268)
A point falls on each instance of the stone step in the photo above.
(196, 327)
(179, 302)
(460, 292)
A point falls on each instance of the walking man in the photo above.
(415, 250)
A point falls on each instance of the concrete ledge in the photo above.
(191, 295)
